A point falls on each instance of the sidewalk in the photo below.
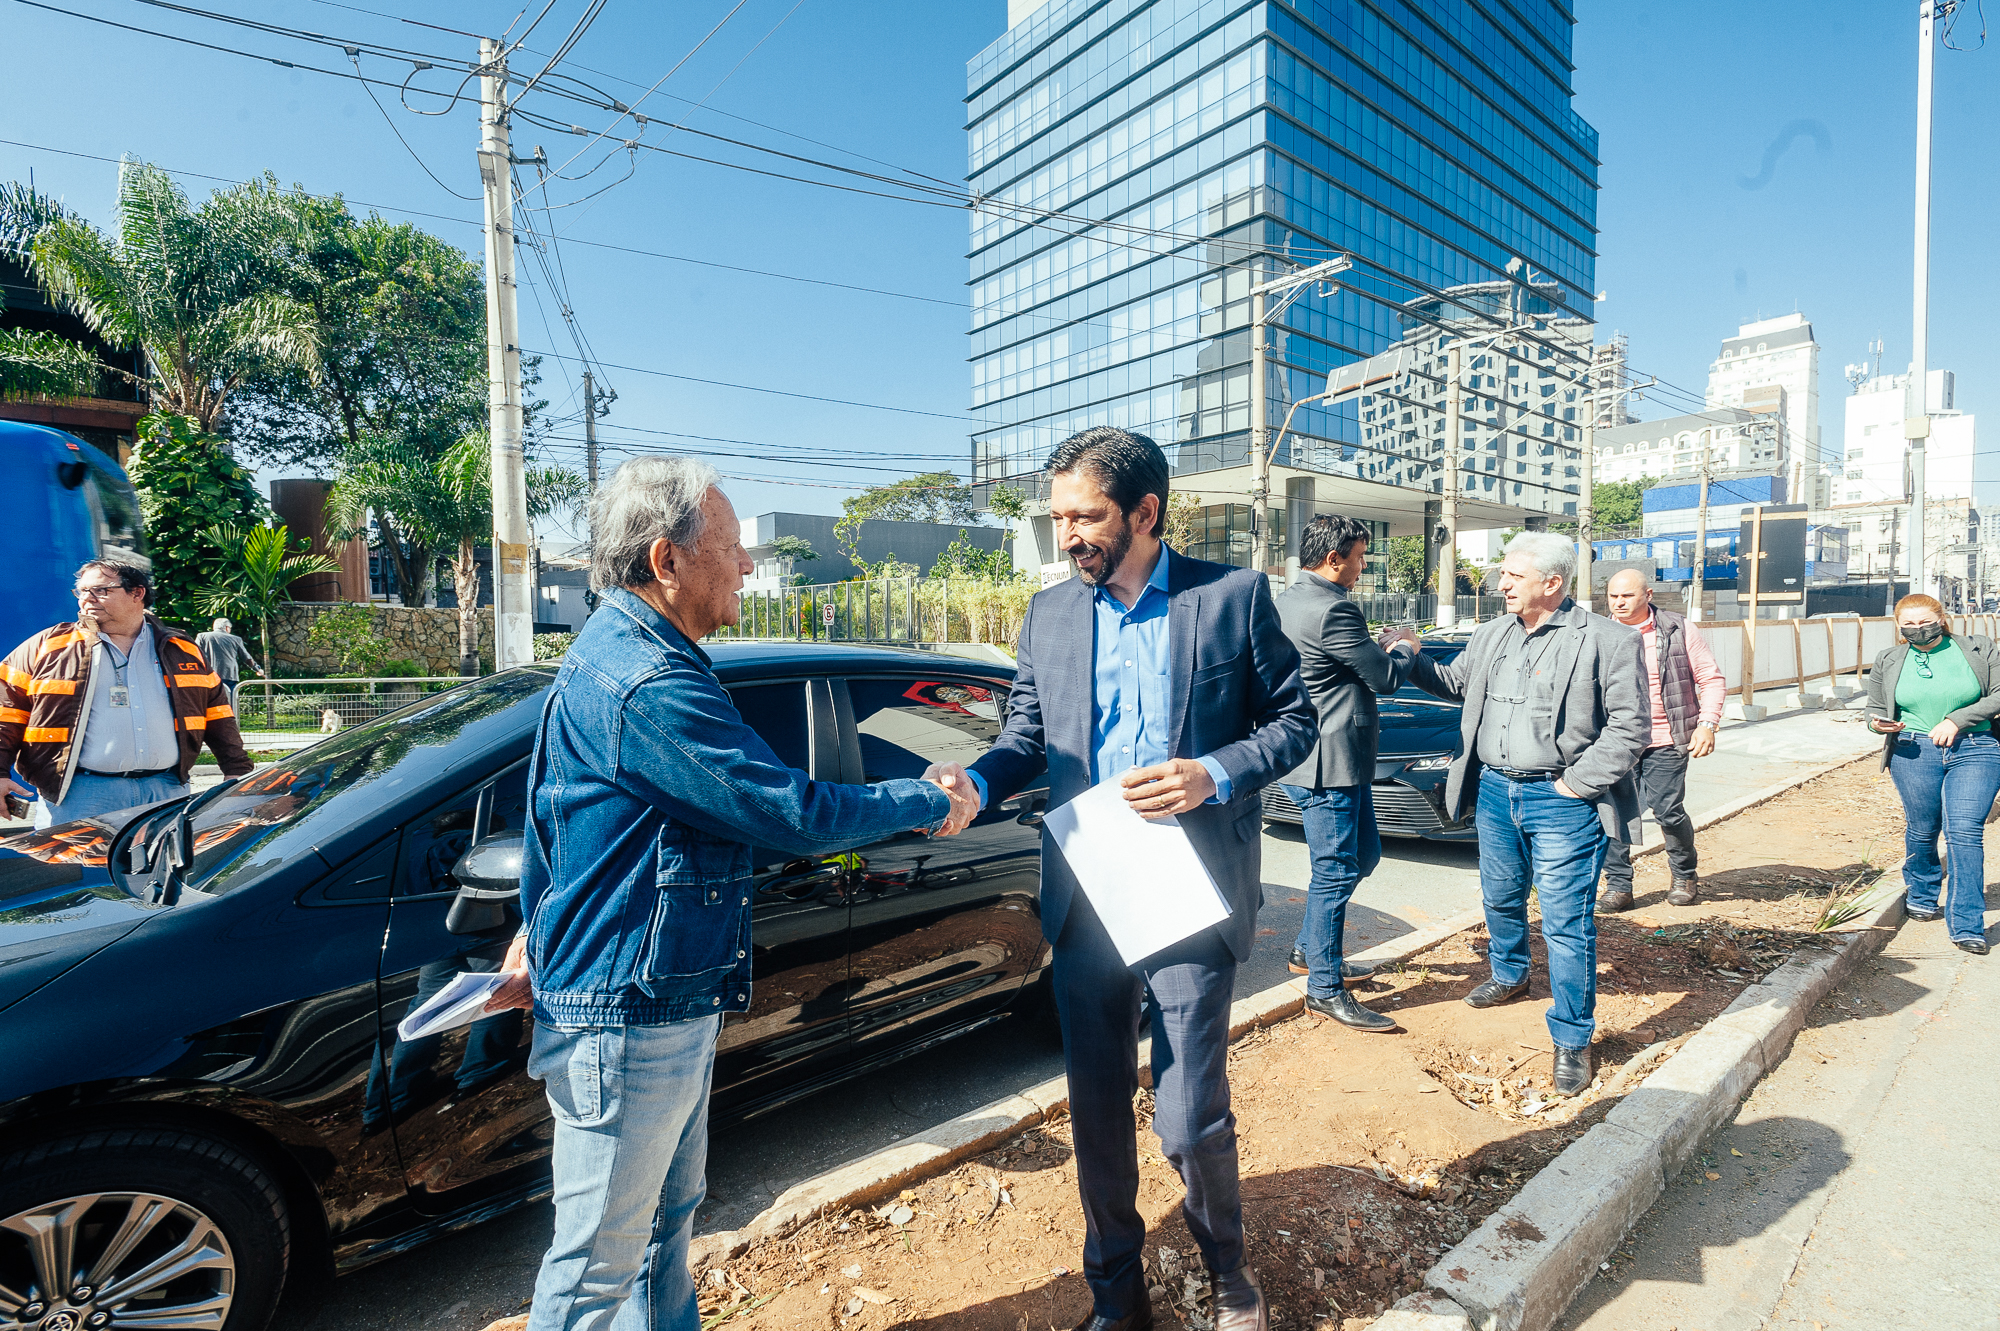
(1857, 1187)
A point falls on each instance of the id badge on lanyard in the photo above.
(121, 696)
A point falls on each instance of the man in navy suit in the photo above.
(1173, 677)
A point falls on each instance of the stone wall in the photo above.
(427, 635)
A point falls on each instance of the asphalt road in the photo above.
(469, 1279)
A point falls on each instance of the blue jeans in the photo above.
(631, 1163)
(1530, 833)
(1346, 847)
(90, 796)
(1947, 792)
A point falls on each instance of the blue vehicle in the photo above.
(64, 501)
(1419, 741)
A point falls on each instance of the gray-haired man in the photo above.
(226, 655)
(647, 786)
(1555, 716)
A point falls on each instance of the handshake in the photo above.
(957, 784)
(1396, 633)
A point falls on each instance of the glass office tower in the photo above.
(1148, 161)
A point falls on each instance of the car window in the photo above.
(433, 843)
(370, 774)
(906, 724)
(777, 712)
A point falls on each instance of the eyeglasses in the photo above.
(95, 593)
(1924, 667)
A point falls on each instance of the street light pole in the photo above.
(1916, 408)
(1286, 289)
(1454, 402)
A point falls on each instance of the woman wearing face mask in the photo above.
(1933, 697)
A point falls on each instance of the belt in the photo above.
(1512, 775)
(130, 776)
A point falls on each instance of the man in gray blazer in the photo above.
(1555, 717)
(1343, 669)
(1172, 677)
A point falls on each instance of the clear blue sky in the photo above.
(1809, 103)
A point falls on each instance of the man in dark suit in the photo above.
(1343, 669)
(1173, 677)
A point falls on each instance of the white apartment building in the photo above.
(1741, 443)
(1773, 365)
(1870, 470)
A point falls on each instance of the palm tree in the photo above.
(39, 364)
(447, 504)
(260, 571)
(196, 288)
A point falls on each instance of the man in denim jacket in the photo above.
(635, 888)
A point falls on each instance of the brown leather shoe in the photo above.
(1239, 1302)
(1613, 902)
(1686, 892)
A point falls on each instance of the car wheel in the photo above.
(138, 1227)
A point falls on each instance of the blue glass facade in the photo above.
(1212, 143)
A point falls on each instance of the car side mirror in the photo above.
(489, 886)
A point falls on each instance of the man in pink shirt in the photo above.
(1686, 688)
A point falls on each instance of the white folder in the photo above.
(1142, 876)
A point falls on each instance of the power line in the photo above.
(394, 129)
(777, 392)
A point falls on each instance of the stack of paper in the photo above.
(1142, 876)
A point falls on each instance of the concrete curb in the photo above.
(1520, 1269)
(883, 1173)
(1764, 796)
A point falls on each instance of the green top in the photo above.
(1921, 703)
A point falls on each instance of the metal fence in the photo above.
(308, 706)
(1415, 608)
(886, 610)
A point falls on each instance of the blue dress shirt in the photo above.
(1132, 680)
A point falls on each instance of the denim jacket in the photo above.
(636, 881)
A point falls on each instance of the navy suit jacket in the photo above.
(1234, 695)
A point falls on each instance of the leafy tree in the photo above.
(39, 364)
(1186, 521)
(401, 322)
(200, 289)
(1009, 504)
(349, 635)
(257, 573)
(1619, 503)
(189, 488)
(446, 503)
(1406, 564)
(962, 559)
(935, 496)
(797, 549)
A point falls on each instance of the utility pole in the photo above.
(1447, 592)
(590, 430)
(1694, 611)
(1584, 549)
(513, 613)
(1916, 409)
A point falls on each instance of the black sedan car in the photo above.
(1419, 742)
(202, 1088)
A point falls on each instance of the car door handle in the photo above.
(798, 887)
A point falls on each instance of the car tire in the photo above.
(160, 1191)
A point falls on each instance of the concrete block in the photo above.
(1520, 1269)
(1693, 1093)
(1425, 1310)
(1776, 1009)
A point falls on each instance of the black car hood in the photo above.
(58, 904)
(1414, 722)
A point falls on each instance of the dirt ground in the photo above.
(1363, 1156)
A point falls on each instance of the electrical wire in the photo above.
(777, 392)
(625, 111)
(303, 34)
(589, 16)
(397, 131)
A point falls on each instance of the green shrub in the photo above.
(551, 646)
(348, 634)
